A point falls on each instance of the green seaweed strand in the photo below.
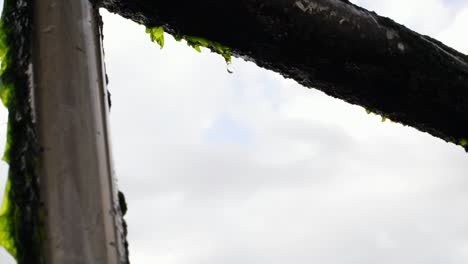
(384, 118)
(6, 223)
(463, 142)
(21, 216)
(197, 42)
(6, 93)
(157, 35)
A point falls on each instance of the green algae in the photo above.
(6, 212)
(6, 92)
(6, 223)
(463, 142)
(21, 216)
(157, 35)
(384, 118)
(197, 43)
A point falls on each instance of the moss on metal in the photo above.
(463, 142)
(157, 35)
(21, 216)
(384, 117)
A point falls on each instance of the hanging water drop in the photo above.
(229, 68)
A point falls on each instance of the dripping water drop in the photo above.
(229, 68)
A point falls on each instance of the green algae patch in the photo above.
(384, 118)
(157, 35)
(197, 43)
(6, 223)
(21, 216)
(463, 142)
(6, 213)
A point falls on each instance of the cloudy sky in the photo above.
(251, 168)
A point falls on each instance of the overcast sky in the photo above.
(251, 168)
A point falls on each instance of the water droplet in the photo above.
(229, 68)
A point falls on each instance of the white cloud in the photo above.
(425, 16)
(455, 35)
(444, 20)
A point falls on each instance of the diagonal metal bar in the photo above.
(334, 46)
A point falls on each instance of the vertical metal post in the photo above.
(76, 178)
